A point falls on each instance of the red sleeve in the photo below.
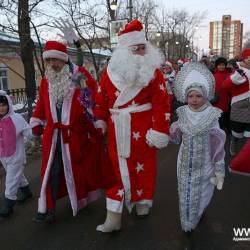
(160, 104)
(101, 109)
(39, 111)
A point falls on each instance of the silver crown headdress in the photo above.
(191, 75)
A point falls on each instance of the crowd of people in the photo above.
(106, 135)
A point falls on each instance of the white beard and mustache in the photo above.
(59, 83)
(132, 69)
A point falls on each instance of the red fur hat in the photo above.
(132, 34)
(54, 49)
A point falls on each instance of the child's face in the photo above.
(221, 67)
(3, 109)
(195, 99)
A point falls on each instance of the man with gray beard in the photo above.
(132, 105)
(68, 133)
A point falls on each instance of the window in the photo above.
(3, 77)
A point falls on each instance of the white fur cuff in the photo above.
(237, 78)
(36, 122)
(101, 124)
(157, 139)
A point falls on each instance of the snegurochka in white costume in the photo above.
(200, 164)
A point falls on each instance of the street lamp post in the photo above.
(113, 6)
(130, 7)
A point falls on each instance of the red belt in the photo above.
(65, 131)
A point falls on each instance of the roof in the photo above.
(9, 38)
(14, 40)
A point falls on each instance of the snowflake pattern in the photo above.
(139, 167)
(139, 192)
(120, 192)
(136, 135)
(167, 116)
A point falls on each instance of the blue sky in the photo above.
(238, 9)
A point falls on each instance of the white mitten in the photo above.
(68, 31)
(156, 139)
(102, 125)
(217, 180)
(237, 78)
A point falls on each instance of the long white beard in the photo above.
(59, 83)
(135, 70)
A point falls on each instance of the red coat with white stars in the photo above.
(148, 110)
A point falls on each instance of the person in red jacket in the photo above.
(238, 85)
(68, 132)
(222, 98)
(132, 105)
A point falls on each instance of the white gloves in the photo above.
(68, 31)
(237, 78)
(217, 180)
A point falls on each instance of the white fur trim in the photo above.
(237, 135)
(131, 38)
(36, 122)
(101, 124)
(55, 54)
(157, 139)
(92, 196)
(144, 202)
(237, 78)
(122, 122)
(247, 134)
(42, 204)
(114, 205)
(238, 172)
(69, 177)
(240, 97)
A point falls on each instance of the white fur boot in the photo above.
(112, 223)
(142, 210)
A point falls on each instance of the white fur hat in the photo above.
(54, 49)
(132, 34)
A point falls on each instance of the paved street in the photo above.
(160, 231)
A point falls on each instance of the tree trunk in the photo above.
(27, 46)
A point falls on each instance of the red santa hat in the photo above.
(54, 49)
(169, 64)
(132, 34)
(245, 53)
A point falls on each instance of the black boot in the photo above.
(7, 207)
(24, 194)
(188, 241)
(40, 217)
(48, 217)
(51, 216)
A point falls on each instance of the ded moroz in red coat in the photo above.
(240, 164)
(132, 114)
(77, 150)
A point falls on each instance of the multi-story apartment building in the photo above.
(225, 38)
